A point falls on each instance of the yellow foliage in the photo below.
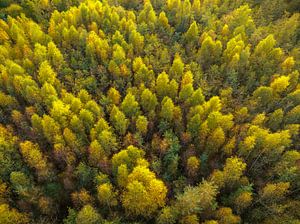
(144, 193)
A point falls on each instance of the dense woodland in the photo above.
(155, 111)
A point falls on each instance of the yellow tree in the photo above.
(144, 193)
(34, 157)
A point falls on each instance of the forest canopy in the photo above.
(149, 111)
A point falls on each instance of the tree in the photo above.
(167, 216)
(192, 35)
(233, 170)
(9, 155)
(263, 95)
(195, 199)
(240, 19)
(122, 175)
(191, 219)
(12, 216)
(177, 68)
(293, 116)
(144, 193)
(274, 192)
(210, 52)
(60, 112)
(224, 216)
(106, 195)
(119, 121)
(93, 107)
(280, 84)
(88, 215)
(193, 125)
(193, 165)
(55, 57)
(108, 141)
(137, 40)
(84, 174)
(71, 139)
(81, 198)
(51, 128)
(186, 92)
(266, 57)
(215, 140)
(142, 125)
(36, 123)
(276, 119)
(167, 109)
(196, 9)
(231, 174)
(162, 86)
(87, 118)
(243, 200)
(148, 100)
(129, 157)
(114, 96)
(287, 169)
(35, 159)
(187, 79)
(130, 106)
(84, 96)
(96, 153)
(288, 64)
(236, 54)
(163, 24)
(71, 218)
(197, 97)
(48, 94)
(46, 74)
(22, 185)
(97, 48)
(148, 16)
(143, 76)
(40, 53)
